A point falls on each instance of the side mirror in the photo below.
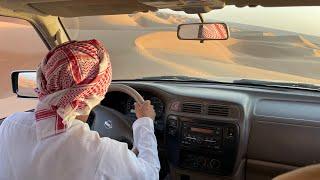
(24, 83)
(203, 31)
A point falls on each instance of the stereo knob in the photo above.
(173, 123)
(172, 131)
(199, 140)
(214, 164)
(196, 163)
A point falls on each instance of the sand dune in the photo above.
(225, 51)
(175, 20)
(228, 71)
(27, 83)
(273, 38)
(164, 48)
(119, 20)
(276, 46)
(168, 42)
(266, 50)
(236, 33)
(150, 20)
(269, 45)
(100, 22)
(27, 86)
(137, 20)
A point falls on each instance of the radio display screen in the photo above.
(201, 130)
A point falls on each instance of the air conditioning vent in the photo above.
(218, 110)
(195, 108)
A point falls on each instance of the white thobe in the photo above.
(77, 154)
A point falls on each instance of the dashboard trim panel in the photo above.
(254, 127)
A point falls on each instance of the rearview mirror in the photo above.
(203, 31)
(24, 83)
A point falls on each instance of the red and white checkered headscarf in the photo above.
(72, 79)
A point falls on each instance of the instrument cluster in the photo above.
(155, 101)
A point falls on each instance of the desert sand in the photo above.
(120, 22)
(17, 52)
(145, 44)
(163, 45)
(9, 25)
(27, 86)
(101, 22)
(166, 41)
(175, 20)
(150, 20)
(12, 104)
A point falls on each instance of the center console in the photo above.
(202, 145)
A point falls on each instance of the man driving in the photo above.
(54, 142)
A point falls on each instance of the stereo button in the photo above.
(210, 140)
(218, 133)
(230, 132)
(172, 132)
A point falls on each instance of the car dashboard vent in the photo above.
(218, 110)
(195, 108)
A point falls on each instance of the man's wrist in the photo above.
(143, 121)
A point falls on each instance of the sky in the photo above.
(297, 19)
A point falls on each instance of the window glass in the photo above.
(278, 45)
(21, 48)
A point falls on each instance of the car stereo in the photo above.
(202, 145)
(202, 137)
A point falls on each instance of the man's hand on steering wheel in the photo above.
(145, 109)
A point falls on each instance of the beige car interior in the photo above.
(43, 15)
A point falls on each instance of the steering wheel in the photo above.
(111, 123)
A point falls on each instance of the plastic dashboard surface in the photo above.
(286, 131)
(276, 125)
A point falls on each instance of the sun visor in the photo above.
(75, 8)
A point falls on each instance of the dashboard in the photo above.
(228, 132)
(185, 126)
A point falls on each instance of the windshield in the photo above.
(270, 44)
